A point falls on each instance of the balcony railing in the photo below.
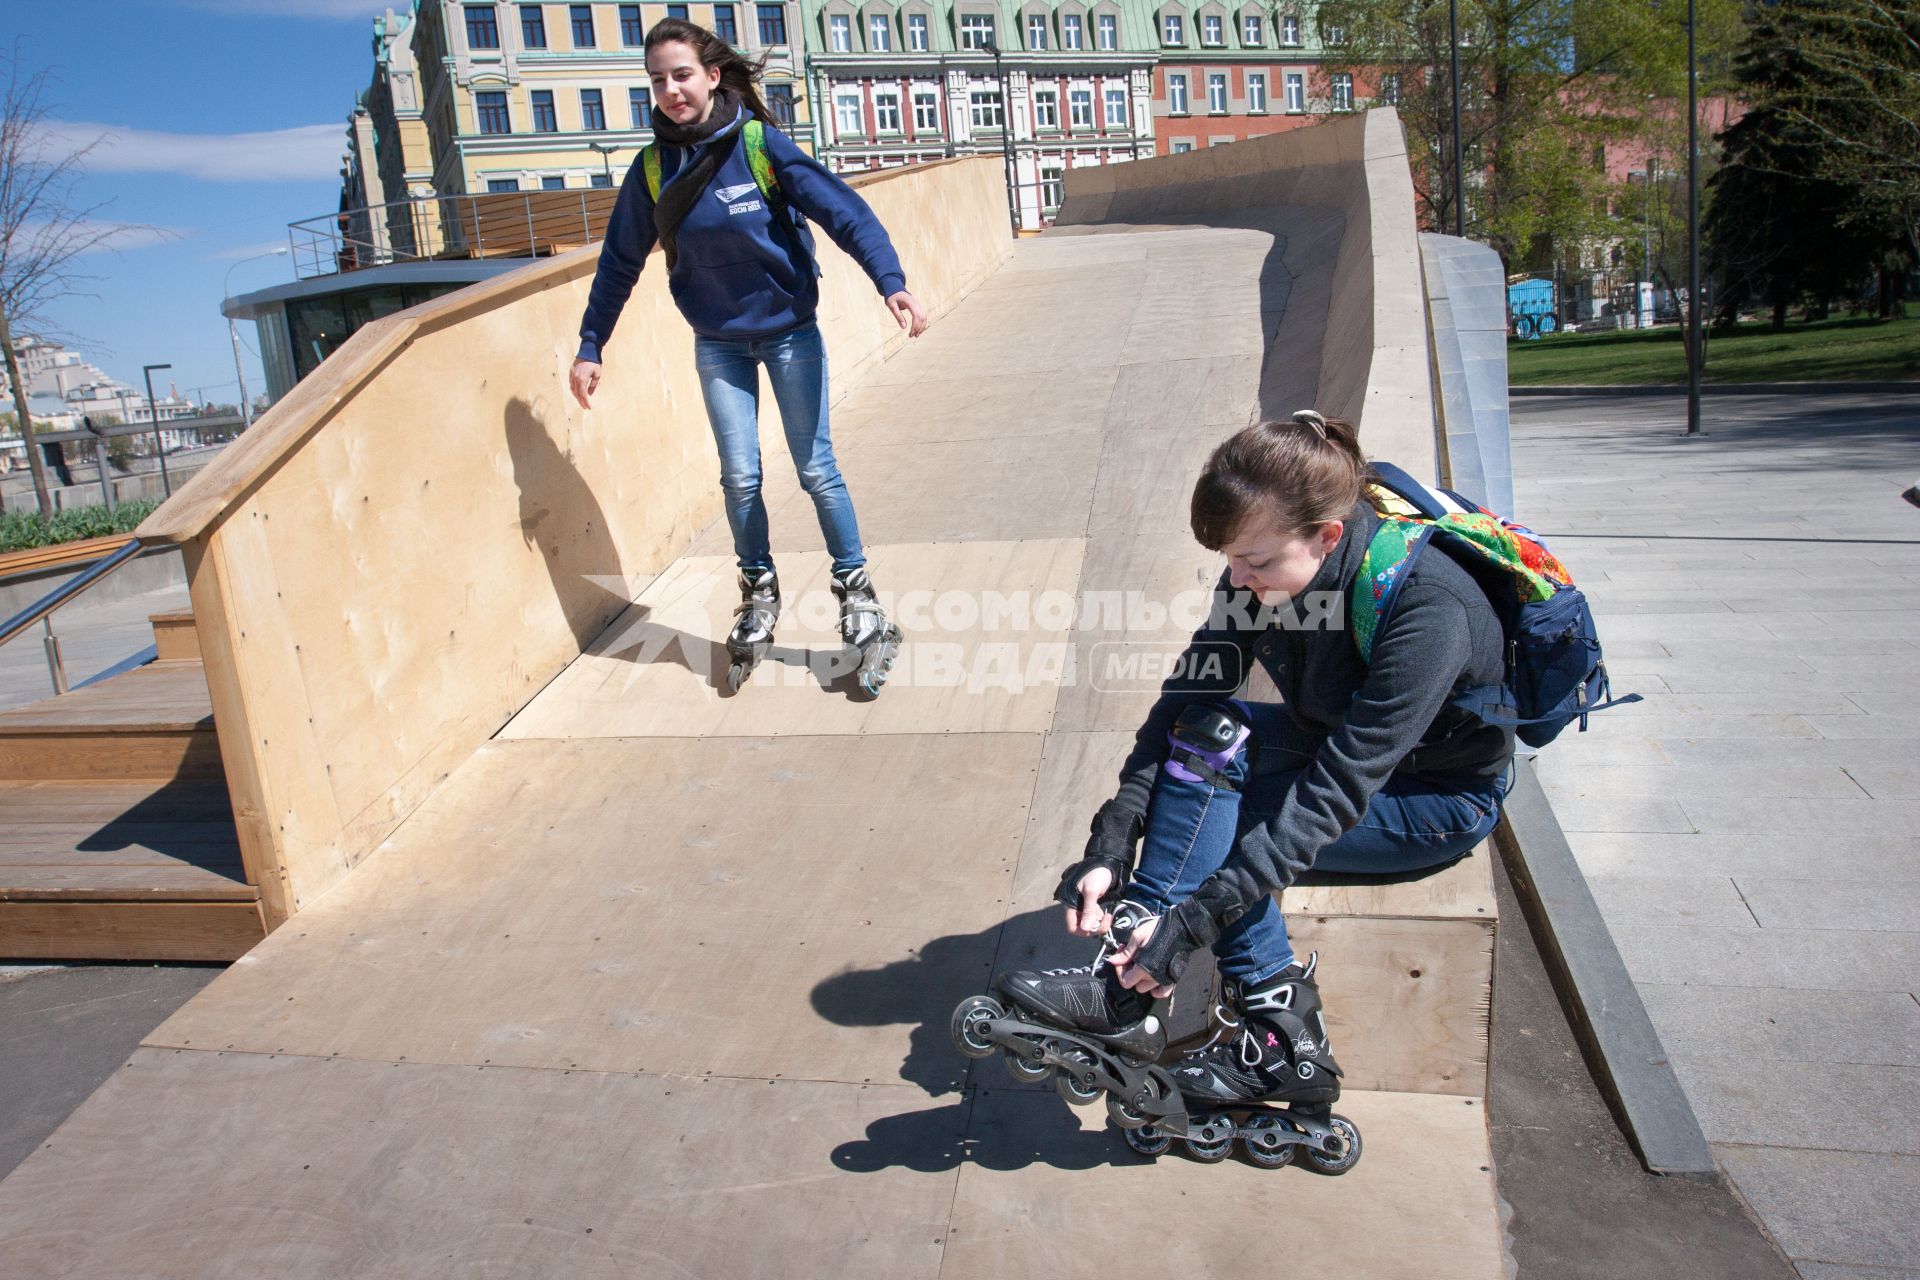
(508, 224)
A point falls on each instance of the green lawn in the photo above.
(1822, 351)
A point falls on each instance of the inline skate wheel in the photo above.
(1147, 1140)
(1266, 1144)
(1021, 1065)
(969, 1024)
(1346, 1152)
(1123, 1115)
(1212, 1151)
(737, 673)
(1072, 1082)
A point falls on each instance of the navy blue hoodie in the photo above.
(743, 270)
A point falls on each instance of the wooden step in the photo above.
(122, 871)
(1406, 973)
(152, 723)
(174, 636)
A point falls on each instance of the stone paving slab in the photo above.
(1832, 1206)
(1766, 1024)
(1739, 1100)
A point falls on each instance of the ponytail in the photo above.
(736, 72)
(1296, 475)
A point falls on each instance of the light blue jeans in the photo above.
(1193, 826)
(796, 364)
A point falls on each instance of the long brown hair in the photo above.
(736, 72)
(1297, 474)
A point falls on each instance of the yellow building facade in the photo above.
(473, 97)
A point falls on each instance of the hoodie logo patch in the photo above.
(728, 195)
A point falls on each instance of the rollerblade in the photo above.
(1271, 1085)
(754, 619)
(1081, 1028)
(865, 629)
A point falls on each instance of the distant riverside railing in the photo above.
(510, 224)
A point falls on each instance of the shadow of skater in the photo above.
(560, 516)
(1001, 1129)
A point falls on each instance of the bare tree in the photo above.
(44, 230)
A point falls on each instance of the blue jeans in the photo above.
(796, 364)
(1193, 826)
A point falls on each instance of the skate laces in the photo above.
(1121, 922)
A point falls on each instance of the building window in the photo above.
(1217, 95)
(544, 119)
(886, 112)
(633, 30)
(773, 23)
(1251, 31)
(1257, 93)
(1176, 95)
(780, 102)
(846, 113)
(976, 30)
(593, 114)
(879, 33)
(533, 26)
(917, 32)
(1182, 145)
(1333, 35)
(984, 110)
(600, 180)
(1036, 31)
(640, 105)
(926, 112)
(725, 24)
(679, 11)
(1052, 187)
(1290, 29)
(501, 186)
(1109, 36)
(1213, 30)
(1046, 109)
(1390, 90)
(1342, 91)
(1080, 108)
(839, 33)
(551, 182)
(483, 30)
(1173, 29)
(1296, 92)
(581, 16)
(1073, 31)
(1116, 108)
(492, 110)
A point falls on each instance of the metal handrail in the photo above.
(40, 610)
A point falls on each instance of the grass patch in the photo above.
(1819, 351)
(24, 530)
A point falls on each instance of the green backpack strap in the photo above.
(650, 165)
(753, 133)
(1383, 569)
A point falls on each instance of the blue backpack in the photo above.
(1555, 671)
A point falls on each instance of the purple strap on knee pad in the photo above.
(1214, 760)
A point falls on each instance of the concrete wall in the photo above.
(422, 534)
(1376, 361)
(1467, 305)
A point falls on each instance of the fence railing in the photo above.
(508, 224)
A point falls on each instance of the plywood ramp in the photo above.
(656, 982)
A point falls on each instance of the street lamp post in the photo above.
(1695, 356)
(606, 149)
(1459, 164)
(233, 333)
(1006, 138)
(153, 411)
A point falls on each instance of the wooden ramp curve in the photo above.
(657, 983)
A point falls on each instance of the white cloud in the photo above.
(119, 236)
(240, 253)
(309, 153)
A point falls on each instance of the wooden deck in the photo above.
(117, 838)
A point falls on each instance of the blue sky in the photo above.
(228, 119)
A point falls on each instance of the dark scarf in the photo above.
(677, 198)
